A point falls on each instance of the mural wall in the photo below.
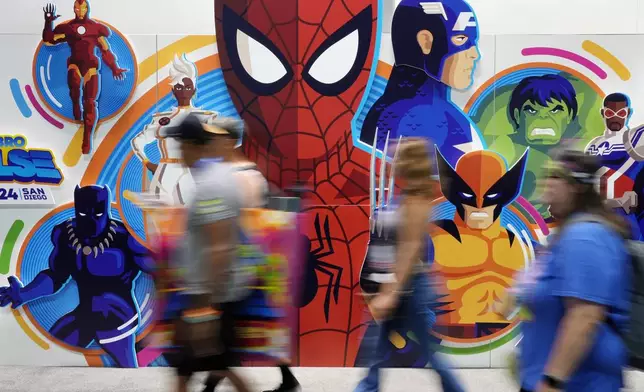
(318, 85)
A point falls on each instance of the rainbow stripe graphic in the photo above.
(592, 48)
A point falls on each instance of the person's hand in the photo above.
(152, 167)
(119, 74)
(12, 294)
(383, 305)
(50, 13)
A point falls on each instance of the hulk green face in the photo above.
(543, 125)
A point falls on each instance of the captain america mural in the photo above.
(435, 50)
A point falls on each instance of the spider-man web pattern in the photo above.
(296, 71)
(280, 60)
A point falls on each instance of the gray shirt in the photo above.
(221, 191)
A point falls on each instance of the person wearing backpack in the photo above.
(578, 291)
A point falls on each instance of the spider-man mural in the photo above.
(296, 71)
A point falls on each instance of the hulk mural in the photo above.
(541, 109)
(538, 112)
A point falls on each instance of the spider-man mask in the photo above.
(296, 70)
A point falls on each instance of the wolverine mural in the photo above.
(476, 256)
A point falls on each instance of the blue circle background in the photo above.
(113, 94)
(47, 310)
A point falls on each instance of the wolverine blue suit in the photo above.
(104, 259)
(435, 50)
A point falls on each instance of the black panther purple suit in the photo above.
(104, 259)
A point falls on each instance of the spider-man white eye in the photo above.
(261, 64)
(332, 68)
(336, 62)
(257, 61)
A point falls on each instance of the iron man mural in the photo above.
(83, 35)
(296, 71)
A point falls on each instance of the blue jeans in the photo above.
(413, 314)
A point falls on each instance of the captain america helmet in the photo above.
(453, 27)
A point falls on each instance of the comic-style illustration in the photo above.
(326, 91)
(171, 180)
(477, 256)
(103, 259)
(83, 35)
(435, 50)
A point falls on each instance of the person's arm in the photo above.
(141, 140)
(411, 236)
(108, 55)
(53, 35)
(140, 255)
(589, 263)
(47, 282)
(575, 337)
(254, 188)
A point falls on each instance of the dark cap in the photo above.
(194, 131)
(190, 130)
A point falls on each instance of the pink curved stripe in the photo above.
(543, 51)
(40, 110)
(534, 213)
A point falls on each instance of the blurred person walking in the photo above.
(252, 191)
(207, 255)
(578, 291)
(394, 276)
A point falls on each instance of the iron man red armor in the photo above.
(83, 35)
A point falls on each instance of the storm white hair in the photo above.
(182, 68)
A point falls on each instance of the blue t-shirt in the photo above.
(589, 262)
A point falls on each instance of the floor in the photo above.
(27, 379)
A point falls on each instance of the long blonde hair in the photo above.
(414, 167)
